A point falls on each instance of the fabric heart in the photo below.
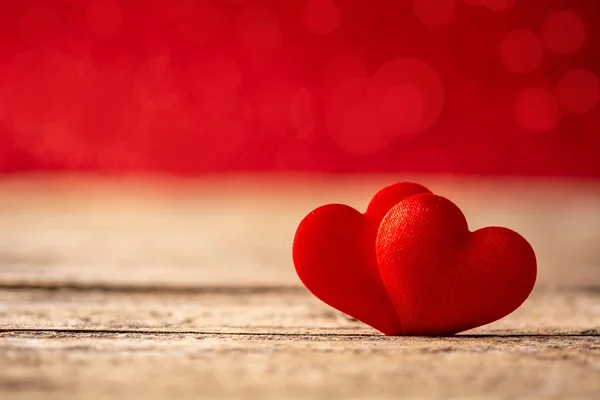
(334, 256)
(443, 279)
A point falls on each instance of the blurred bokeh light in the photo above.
(196, 86)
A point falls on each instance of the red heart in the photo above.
(334, 256)
(442, 278)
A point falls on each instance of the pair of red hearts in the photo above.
(410, 266)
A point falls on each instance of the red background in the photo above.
(194, 86)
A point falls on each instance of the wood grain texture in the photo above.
(292, 310)
(274, 366)
(185, 289)
(239, 231)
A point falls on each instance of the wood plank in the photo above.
(101, 365)
(238, 232)
(568, 311)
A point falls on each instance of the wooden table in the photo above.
(141, 289)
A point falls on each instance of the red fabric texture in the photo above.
(410, 266)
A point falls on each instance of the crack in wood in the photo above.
(117, 288)
(586, 333)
